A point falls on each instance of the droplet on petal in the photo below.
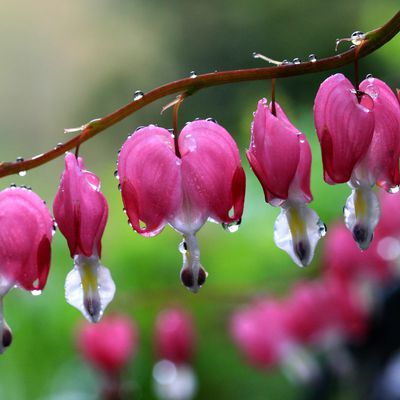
(89, 287)
(361, 215)
(297, 231)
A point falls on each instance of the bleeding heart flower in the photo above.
(159, 188)
(108, 345)
(81, 211)
(280, 156)
(25, 237)
(359, 133)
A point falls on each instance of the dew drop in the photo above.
(372, 90)
(19, 159)
(13, 185)
(193, 74)
(22, 173)
(190, 142)
(212, 120)
(285, 62)
(58, 145)
(312, 58)
(369, 76)
(116, 174)
(232, 227)
(119, 187)
(394, 189)
(322, 228)
(137, 95)
(139, 128)
(182, 247)
(357, 38)
(296, 61)
(36, 292)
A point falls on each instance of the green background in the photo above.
(64, 63)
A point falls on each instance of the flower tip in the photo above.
(188, 278)
(302, 251)
(93, 309)
(363, 236)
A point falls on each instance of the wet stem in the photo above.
(373, 40)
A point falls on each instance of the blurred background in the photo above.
(64, 63)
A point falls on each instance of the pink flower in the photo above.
(280, 156)
(25, 253)
(344, 127)
(81, 211)
(108, 345)
(261, 333)
(175, 336)
(159, 188)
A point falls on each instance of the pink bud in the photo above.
(175, 336)
(344, 127)
(261, 333)
(25, 253)
(108, 345)
(80, 209)
(381, 163)
(280, 156)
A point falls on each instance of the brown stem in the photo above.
(374, 40)
(175, 112)
(273, 108)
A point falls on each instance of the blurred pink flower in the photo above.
(175, 336)
(158, 188)
(261, 333)
(81, 211)
(109, 344)
(321, 310)
(280, 156)
(25, 237)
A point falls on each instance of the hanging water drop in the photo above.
(394, 189)
(232, 227)
(212, 120)
(36, 292)
(285, 62)
(312, 58)
(296, 61)
(137, 95)
(193, 74)
(116, 174)
(22, 173)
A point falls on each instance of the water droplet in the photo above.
(322, 228)
(353, 46)
(36, 292)
(58, 145)
(182, 247)
(232, 227)
(212, 120)
(357, 38)
(190, 142)
(139, 128)
(13, 185)
(369, 76)
(296, 61)
(255, 54)
(22, 173)
(119, 187)
(193, 74)
(19, 159)
(312, 58)
(137, 95)
(372, 90)
(116, 174)
(285, 62)
(394, 189)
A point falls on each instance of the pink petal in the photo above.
(212, 176)
(150, 177)
(344, 128)
(280, 156)
(80, 209)
(382, 159)
(25, 237)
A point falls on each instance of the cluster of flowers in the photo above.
(326, 313)
(197, 177)
(109, 345)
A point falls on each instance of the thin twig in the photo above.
(373, 40)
